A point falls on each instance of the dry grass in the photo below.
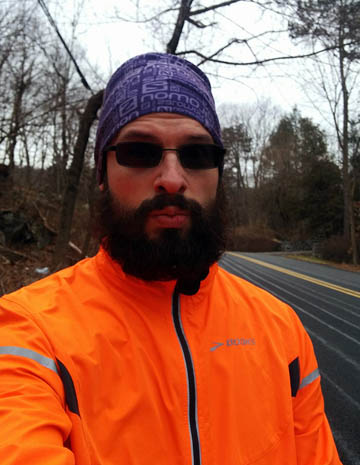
(311, 259)
(19, 273)
(253, 239)
(19, 262)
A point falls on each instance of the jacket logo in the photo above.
(216, 346)
(234, 342)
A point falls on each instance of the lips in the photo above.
(170, 217)
(170, 211)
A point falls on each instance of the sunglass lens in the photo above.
(200, 156)
(138, 154)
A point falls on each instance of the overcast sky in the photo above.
(109, 41)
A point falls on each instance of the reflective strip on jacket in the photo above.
(99, 368)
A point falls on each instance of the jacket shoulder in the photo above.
(259, 307)
(241, 289)
(44, 293)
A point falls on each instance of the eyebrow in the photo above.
(137, 134)
(200, 138)
(145, 136)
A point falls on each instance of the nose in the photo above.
(171, 177)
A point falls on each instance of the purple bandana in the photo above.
(153, 83)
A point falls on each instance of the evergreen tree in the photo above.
(303, 187)
(238, 144)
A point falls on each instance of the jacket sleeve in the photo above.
(34, 424)
(314, 441)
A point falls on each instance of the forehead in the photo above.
(156, 125)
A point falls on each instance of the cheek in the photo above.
(129, 188)
(206, 186)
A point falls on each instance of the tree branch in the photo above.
(211, 57)
(213, 7)
(146, 20)
(252, 63)
(198, 23)
(184, 11)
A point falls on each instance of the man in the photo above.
(149, 353)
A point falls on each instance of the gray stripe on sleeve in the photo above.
(31, 354)
(310, 378)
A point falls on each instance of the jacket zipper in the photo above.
(190, 373)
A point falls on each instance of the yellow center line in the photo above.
(344, 290)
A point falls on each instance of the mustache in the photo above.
(161, 201)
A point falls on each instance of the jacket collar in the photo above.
(113, 276)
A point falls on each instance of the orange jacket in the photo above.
(99, 368)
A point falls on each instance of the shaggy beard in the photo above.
(173, 254)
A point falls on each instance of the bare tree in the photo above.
(334, 24)
(16, 75)
(246, 133)
(87, 118)
(42, 103)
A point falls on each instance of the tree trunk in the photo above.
(183, 14)
(68, 205)
(345, 141)
(354, 248)
(349, 224)
(64, 142)
(28, 163)
(15, 122)
(91, 203)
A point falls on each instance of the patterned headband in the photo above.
(153, 83)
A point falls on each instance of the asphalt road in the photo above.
(327, 301)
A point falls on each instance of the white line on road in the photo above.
(305, 277)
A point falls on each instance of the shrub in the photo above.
(336, 249)
(253, 240)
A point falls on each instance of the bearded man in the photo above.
(125, 357)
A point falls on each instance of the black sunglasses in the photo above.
(148, 155)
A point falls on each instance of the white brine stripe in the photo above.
(309, 378)
(30, 354)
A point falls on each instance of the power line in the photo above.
(53, 24)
